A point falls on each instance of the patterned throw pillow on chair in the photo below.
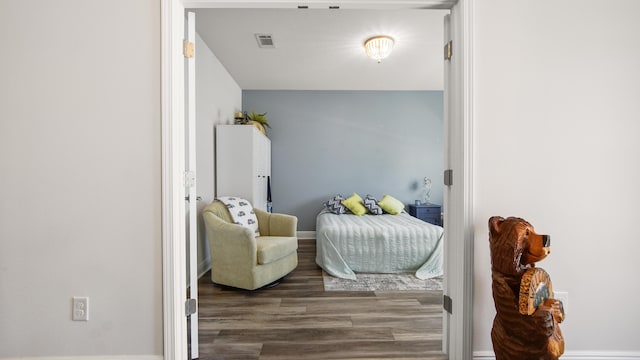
(241, 212)
(335, 205)
(372, 205)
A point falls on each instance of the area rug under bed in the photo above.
(381, 282)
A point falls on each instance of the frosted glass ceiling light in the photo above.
(378, 47)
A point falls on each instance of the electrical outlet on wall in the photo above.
(80, 310)
(564, 297)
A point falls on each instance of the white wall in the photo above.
(218, 96)
(80, 211)
(556, 142)
(557, 89)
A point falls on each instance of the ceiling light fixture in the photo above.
(378, 47)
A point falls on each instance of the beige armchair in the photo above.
(243, 260)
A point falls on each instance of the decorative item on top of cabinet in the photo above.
(258, 120)
(243, 163)
(253, 118)
(240, 118)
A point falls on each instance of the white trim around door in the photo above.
(173, 165)
(174, 259)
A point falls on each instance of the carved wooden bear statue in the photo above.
(527, 315)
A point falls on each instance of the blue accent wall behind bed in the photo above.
(339, 142)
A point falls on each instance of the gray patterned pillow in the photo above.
(372, 205)
(335, 205)
(241, 212)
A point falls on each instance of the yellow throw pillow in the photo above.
(391, 205)
(354, 203)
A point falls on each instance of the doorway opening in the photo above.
(457, 199)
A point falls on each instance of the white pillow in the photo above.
(241, 212)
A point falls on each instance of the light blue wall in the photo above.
(339, 142)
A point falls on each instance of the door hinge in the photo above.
(448, 177)
(447, 304)
(190, 307)
(448, 50)
(188, 49)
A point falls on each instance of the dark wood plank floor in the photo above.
(297, 319)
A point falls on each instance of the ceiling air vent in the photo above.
(265, 41)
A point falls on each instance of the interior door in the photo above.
(190, 183)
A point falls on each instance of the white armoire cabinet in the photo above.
(243, 163)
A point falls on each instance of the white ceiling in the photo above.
(322, 49)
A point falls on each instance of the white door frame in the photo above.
(191, 173)
(459, 226)
(458, 209)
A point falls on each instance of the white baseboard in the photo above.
(306, 235)
(204, 266)
(575, 355)
(99, 357)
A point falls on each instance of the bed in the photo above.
(347, 244)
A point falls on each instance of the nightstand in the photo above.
(430, 213)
